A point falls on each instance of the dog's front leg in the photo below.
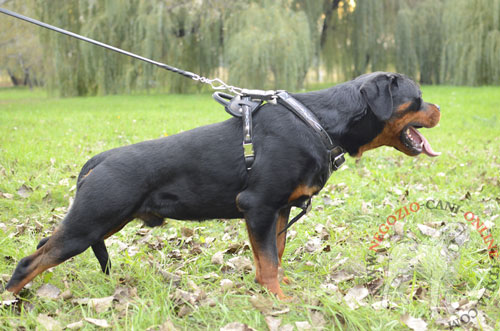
(261, 226)
(281, 238)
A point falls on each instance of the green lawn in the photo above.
(168, 273)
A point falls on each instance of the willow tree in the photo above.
(268, 38)
(21, 52)
(65, 73)
(406, 55)
(186, 34)
(418, 36)
(471, 53)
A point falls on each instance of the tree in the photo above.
(21, 55)
(268, 38)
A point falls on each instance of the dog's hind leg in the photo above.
(102, 255)
(99, 250)
(42, 242)
(56, 249)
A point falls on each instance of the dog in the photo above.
(200, 174)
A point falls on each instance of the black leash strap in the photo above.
(98, 43)
(305, 210)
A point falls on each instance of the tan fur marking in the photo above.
(303, 190)
(88, 173)
(390, 136)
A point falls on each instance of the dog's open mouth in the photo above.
(416, 142)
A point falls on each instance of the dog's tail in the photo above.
(91, 164)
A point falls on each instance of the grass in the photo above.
(45, 141)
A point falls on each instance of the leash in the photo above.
(242, 104)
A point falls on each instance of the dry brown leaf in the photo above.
(187, 232)
(124, 294)
(66, 295)
(287, 327)
(355, 295)
(240, 263)
(313, 244)
(226, 284)
(6, 195)
(48, 291)
(428, 231)
(166, 326)
(218, 258)
(76, 325)
(100, 305)
(318, 320)
(24, 191)
(99, 322)
(261, 303)
(184, 311)
(416, 324)
(236, 326)
(303, 325)
(273, 323)
(48, 323)
(399, 228)
(341, 276)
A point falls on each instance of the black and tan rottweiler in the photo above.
(200, 174)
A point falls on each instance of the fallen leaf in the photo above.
(428, 231)
(355, 295)
(318, 320)
(399, 228)
(184, 311)
(187, 232)
(48, 291)
(24, 191)
(313, 244)
(124, 294)
(218, 258)
(236, 326)
(287, 327)
(303, 325)
(273, 323)
(416, 324)
(341, 276)
(48, 323)
(76, 325)
(261, 303)
(66, 295)
(100, 305)
(226, 284)
(6, 195)
(241, 263)
(166, 326)
(99, 322)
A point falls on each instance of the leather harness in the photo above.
(250, 101)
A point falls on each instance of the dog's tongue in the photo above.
(426, 147)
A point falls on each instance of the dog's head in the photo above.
(393, 112)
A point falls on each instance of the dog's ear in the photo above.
(377, 94)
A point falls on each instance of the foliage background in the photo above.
(256, 44)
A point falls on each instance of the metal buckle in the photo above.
(337, 157)
(248, 149)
